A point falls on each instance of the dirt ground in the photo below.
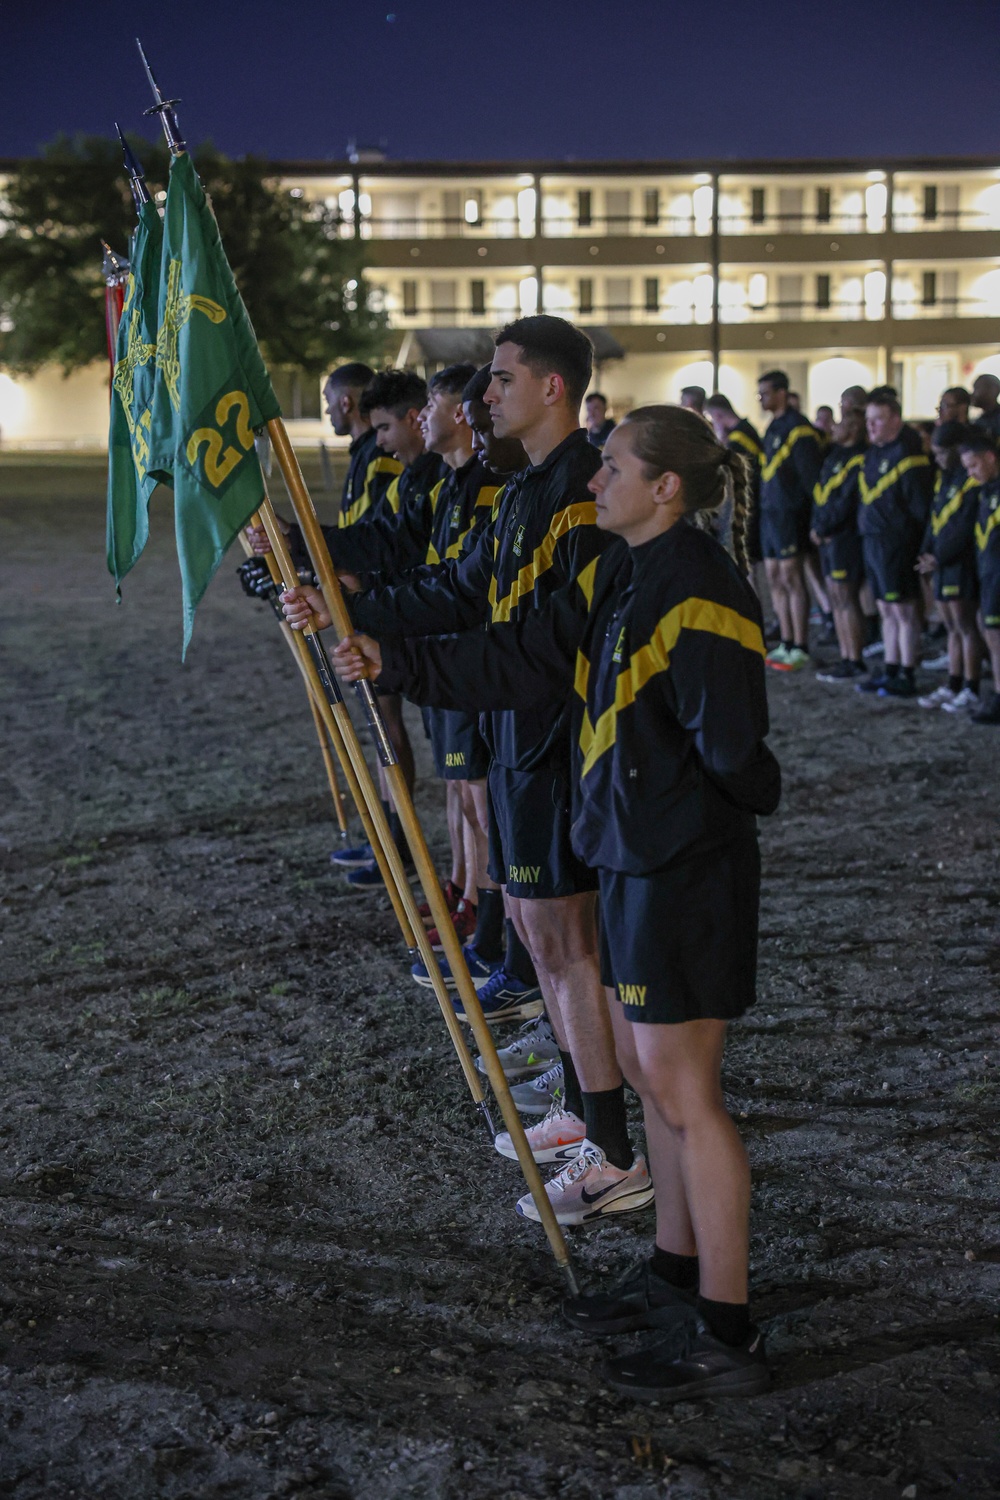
(253, 1238)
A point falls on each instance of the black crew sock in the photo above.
(909, 673)
(607, 1125)
(728, 1321)
(680, 1271)
(892, 669)
(517, 959)
(972, 683)
(800, 647)
(488, 941)
(572, 1095)
(787, 644)
(954, 683)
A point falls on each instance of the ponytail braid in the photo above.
(739, 473)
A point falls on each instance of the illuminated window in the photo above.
(757, 290)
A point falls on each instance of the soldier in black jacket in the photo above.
(986, 397)
(789, 471)
(948, 556)
(982, 463)
(671, 770)
(835, 533)
(543, 540)
(895, 487)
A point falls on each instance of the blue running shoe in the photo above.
(505, 998)
(481, 969)
(352, 859)
(366, 880)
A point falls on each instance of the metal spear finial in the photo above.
(165, 109)
(114, 267)
(136, 179)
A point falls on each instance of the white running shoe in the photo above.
(531, 1052)
(962, 702)
(942, 697)
(556, 1138)
(938, 663)
(536, 1096)
(591, 1187)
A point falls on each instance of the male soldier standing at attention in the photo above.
(370, 471)
(790, 469)
(545, 539)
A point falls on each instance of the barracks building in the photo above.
(695, 273)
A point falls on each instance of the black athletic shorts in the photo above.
(957, 581)
(890, 567)
(841, 558)
(989, 598)
(784, 532)
(681, 944)
(459, 750)
(530, 851)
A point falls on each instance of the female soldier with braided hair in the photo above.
(666, 685)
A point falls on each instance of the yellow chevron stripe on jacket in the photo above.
(822, 492)
(944, 515)
(382, 465)
(649, 660)
(771, 466)
(563, 522)
(983, 533)
(869, 494)
(486, 497)
(744, 440)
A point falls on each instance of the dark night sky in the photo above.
(433, 79)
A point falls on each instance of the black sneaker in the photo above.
(871, 684)
(691, 1363)
(898, 687)
(842, 671)
(988, 714)
(640, 1300)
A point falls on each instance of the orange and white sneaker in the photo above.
(556, 1138)
(591, 1187)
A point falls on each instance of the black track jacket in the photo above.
(669, 701)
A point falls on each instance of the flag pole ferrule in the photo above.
(484, 1110)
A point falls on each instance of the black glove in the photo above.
(255, 576)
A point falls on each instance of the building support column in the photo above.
(715, 245)
(887, 265)
(539, 252)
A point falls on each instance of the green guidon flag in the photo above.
(210, 390)
(129, 482)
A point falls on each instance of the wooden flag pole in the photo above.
(340, 726)
(322, 563)
(321, 734)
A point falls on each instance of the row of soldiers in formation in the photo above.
(871, 512)
(591, 666)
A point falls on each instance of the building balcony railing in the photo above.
(633, 226)
(638, 314)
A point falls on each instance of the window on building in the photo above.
(618, 210)
(584, 208)
(929, 290)
(409, 299)
(823, 213)
(652, 293)
(930, 200)
(477, 297)
(651, 206)
(474, 207)
(822, 290)
(451, 202)
(585, 295)
(618, 295)
(444, 302)
(757, 205)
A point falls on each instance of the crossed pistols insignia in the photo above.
(178, 308)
